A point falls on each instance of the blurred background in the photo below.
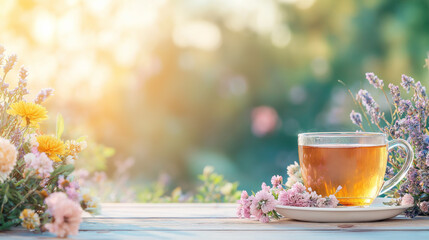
(163, 88)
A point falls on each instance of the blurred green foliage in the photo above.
(176, 107)
(211, 188)
(95, 157)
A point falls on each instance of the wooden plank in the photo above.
(296, 235)
(214, 221)
(233, 224)
(135, 224)
(168, 210)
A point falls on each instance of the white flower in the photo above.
(227, 188)
(208, 170)
(42, 164)
(8, 156)
(294, 172)
(70, 159)
(32, 140)
(29, 158)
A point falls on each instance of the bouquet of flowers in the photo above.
(408, 120)
(36, 185)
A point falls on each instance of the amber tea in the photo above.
(359, 169)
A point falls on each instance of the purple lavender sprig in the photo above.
(409, 122)
(374, 80)
(356, 118)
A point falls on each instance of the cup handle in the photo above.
(389, 184)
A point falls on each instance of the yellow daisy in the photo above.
(30, 219)
(30, 113)
(52, 146)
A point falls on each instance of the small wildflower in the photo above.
(407, 199)
(405, 106)
(243, 209)
(294, 174)
(43, 95)
(370, 105)
(30, 219)
(73, 148)
(356, 118)
(420, 90)
(374, 80)
(44, 193)
(276, 181)
(396, 94)
(40, 163)
(424, 207)
(407, 82)
(263, 203)
(90, 204)
(227, 188)
(208, 170)
(10, 62)
(2, 50)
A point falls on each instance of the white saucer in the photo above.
(375, 212)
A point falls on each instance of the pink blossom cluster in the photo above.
(407, 199)
(262, 204)
(424, 207)
(40, 163)
(298, 196)
(66, 215)
(70, 187)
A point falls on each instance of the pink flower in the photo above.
(70, 187)
(262, 203)
(298, 187)
(39, 162)
(73, 194)
(407, 199)
(265, 187)
(265, 200)
(328, 202)
(264, 219)
(298, 196)
(424, 206)
(66, 215)
(276, 181)
(292, 197)
(243, 209)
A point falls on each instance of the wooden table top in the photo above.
(218, 221)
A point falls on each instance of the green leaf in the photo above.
(63, 170)
(81, 139)
(60, 125)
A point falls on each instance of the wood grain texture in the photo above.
(218, 221)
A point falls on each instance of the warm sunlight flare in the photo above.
(268, 110)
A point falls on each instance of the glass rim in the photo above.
(342, 134)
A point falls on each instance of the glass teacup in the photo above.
(356, 161)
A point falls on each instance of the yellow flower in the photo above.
(73, 148)
(30, 219)
(30, 113)
(91, 204)
(52, 146)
